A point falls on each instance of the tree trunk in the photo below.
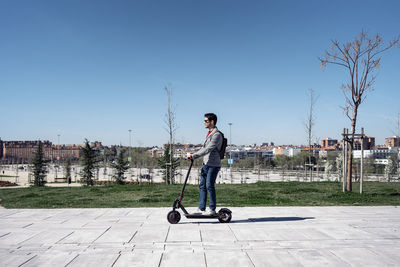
(309, 162)
(349, 186)
(170, 161)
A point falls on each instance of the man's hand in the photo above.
(189, 158)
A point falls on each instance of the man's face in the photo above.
(207, 123)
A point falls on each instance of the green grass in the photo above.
(258, 194)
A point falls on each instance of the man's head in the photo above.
(210, 120)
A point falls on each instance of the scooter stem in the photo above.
(186, 179)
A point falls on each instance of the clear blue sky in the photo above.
(94, 69)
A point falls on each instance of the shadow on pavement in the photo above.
(272, 219)
(255, 220)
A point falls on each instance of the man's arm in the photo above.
(215, 141)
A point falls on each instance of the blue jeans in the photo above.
(208, 177)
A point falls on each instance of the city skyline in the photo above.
(94, 69)
(22, 152)
(390, 141)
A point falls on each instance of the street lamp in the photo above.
(230, 139)
(58, 153)
(130, 153)
(230, 150)
(130, 145)
(130, 131)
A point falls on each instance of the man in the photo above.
(211, 164)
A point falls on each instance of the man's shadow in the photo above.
(272, 219)
(257, 220)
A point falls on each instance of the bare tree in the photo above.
(361, 59)
(171, 127)
(309, 124)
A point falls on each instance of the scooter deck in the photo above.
(200, 216)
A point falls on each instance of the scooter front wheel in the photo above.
(224, 215)
(173, 217)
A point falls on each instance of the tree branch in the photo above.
(333, 62)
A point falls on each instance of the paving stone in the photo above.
(118, 235)
(260, 245)
(13, 224)
(94, 259)
(317, 258)
(222, 246)
(276, 257)
(51, 259)
(34, 214)
(16, 237)
(392, 253)
(100, 224)
(140, 259)
(346, 232)
(246, 233)
(11, 259)
(149, 234)
(285, 234)
(4, 233)
(47, 237)
(149, 246)
(7, 212)
(178, 258)
(228, 259)
(83, 236)
(217, 235)
(182, 233)
(30, 249)
(383, 232)
(363, 257)
(314, 234)
(127, 225)
(180, 246)
(259, 236)
(122, 246)
(72, 248)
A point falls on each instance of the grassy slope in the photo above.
(259, 194)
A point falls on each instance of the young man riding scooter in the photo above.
(211, 164)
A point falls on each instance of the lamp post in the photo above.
(58, 155)
(230, 150)
(130, 152)
(130, 131)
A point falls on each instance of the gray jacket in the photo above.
(210, 149)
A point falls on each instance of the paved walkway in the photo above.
(259, 236)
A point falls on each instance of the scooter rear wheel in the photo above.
(173, 217)
(224, 215)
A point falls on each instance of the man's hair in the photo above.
(211, 117)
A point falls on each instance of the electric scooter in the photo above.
(224, 215)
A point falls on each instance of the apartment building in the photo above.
(380, 153)
(285, 150)
(24, 151)
(369, 143)
(1, 149)
(329, 142)
(238, 153)
(393, 141)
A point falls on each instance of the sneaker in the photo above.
(199, 211)
(210, 212)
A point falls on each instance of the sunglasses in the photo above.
(206, 121)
